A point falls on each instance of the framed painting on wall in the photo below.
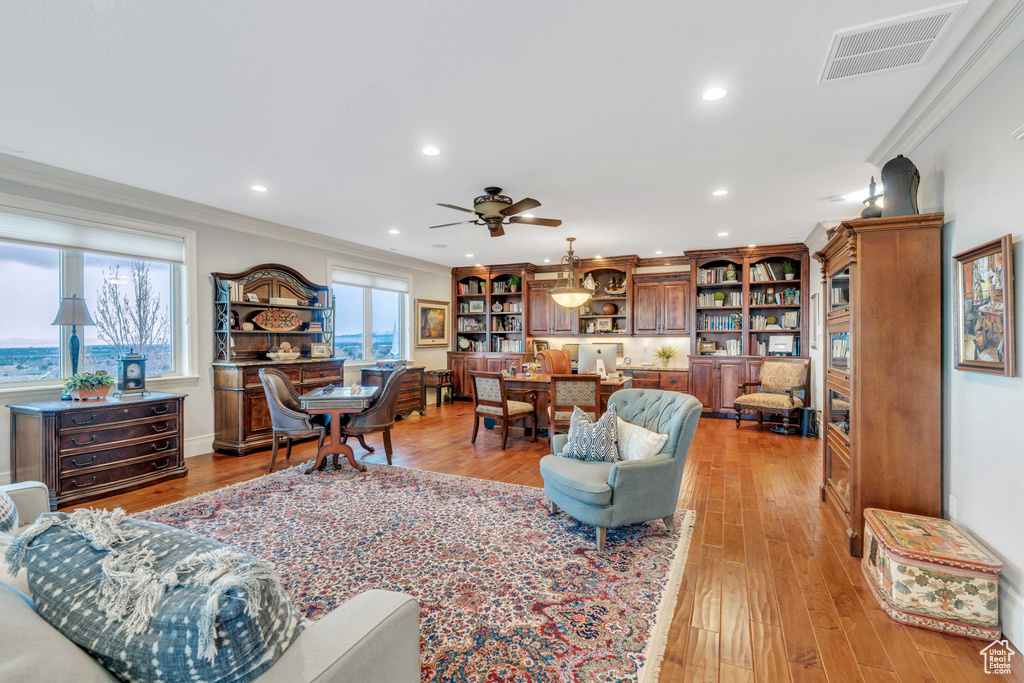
(433, 324)
(814, 320)
(983, 320)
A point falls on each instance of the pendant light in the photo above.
(571, 295)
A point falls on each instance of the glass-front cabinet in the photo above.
(839, 290)
(839, 350)
(839, 412)
(837, 470)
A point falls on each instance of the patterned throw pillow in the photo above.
(8, 515)
(590, 441)
(151, 602)
(637, 443)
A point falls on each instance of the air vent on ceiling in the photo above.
(887, 45)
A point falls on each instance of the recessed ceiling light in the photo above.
(431, 151)
(720, 193)
(547, 260)
(751, 245)
(658, 252)
(258, 188)
(394, 231)
(527, 215)
(723, 234)
(714, 94)
(598, 256)
(439, 246)
(469, 256)
(479, 265)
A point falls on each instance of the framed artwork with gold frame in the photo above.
(983, 322)
(433, 324)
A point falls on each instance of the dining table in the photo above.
(522, 383)
(337, 401)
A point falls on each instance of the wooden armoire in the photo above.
(882, 416)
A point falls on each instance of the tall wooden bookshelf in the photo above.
(489, 309)
(741, 298)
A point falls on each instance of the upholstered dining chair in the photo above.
(781, 390)
(606, 495)
(379, 417)
(287, 419)
(491, 400)
(554, 362)
(569, 391)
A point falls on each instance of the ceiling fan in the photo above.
(495, 210)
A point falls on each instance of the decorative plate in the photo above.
(463, 343)
(496, 307)
(276, 320)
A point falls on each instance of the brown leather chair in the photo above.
(287, 418)
(379, 417)
(554, 362)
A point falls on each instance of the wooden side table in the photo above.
(440, 380)
(410, 396)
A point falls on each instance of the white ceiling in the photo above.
(590, 106)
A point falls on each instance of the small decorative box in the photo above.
(930, 573)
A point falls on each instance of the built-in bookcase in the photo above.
(488, 311)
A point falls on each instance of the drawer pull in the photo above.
(83, 443)
(83, 464)
(323, 373)
(167, 444)
(160, 431)
(74, 482)
(157, 411)
(92, 418)
(167, 461)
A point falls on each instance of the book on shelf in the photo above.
(707, 299)
(840, 348)
(839, 297)
(724, 323)
(776, 299)
(471, 287)
(761, 272)
(474, 345)
(714, 276)
(508, 345)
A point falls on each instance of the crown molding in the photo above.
(53, 179)
(996, 33)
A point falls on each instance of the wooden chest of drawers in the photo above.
(241, 415)
(84, 450)
(410, 397)
(666, 380)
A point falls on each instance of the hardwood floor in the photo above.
(768, 594)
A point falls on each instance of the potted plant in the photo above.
(789, 269)
(513, 283)
(665, 354)
(89, 385)
(719, 298)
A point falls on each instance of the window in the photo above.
(370, 313)
(135, 299)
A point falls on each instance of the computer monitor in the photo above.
(574, 351)
(591, 353)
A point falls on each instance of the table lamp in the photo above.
(74, 312)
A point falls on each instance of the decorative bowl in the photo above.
(277, 320)
(281, 355)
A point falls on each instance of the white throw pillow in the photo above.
(637, 443)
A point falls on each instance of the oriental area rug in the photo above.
(507, 591)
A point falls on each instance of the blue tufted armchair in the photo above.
(607, 495)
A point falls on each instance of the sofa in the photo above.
(372, 638)
(606, 495)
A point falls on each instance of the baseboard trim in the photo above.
(198, 445)
(1011, 611)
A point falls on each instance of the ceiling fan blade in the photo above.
(520, 206)
(447, 224)
(549, 222)
(498, 231)
(457, 208)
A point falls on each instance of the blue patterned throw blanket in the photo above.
(155, 603)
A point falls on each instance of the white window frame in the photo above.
(184, 287)
(405, 318)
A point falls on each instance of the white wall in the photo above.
(225, 250)
(638, 349)
(974, 171)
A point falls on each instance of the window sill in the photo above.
(46, 388)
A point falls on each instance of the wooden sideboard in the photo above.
(410, 395)
(84, 450)
(464, 363)
(241, 414)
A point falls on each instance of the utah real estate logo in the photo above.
(997, 656)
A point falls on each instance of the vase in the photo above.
(719, 303)
(86, 394)
(513, 288)
(790, 276)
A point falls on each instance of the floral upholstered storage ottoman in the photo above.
(928, 572)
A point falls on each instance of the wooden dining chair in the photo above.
(491, 400)
(569, 391)
(380, 417)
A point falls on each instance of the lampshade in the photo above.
(73, 311)
(571, 295)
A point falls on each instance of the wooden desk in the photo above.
(520, 384)
(339, 402)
